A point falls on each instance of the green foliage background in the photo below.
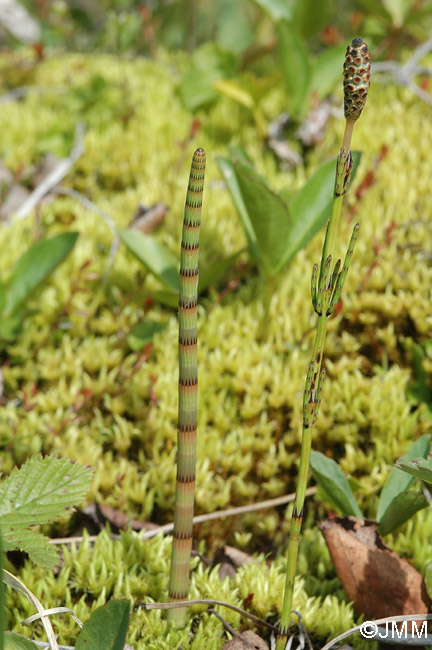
(73, 388)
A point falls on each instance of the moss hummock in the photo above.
(74, 387)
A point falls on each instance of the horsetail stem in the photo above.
(188, 390)
(326, 288)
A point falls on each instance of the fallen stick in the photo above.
(55, 176)
(199, 519)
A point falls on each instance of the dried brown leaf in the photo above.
(249, 641)
(229, 559)
(374, 577)
(148, 218)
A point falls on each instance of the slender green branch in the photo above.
(188, 391)
(325, 290)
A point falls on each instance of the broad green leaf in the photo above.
(2, 296)
(42, 490)
(167, 298)
(311, 207)
(428, 579)
(210, 275)
(296, 69)
(334, 483)
(376, 7)
(400, 509)
(227, 170)
(419, 389)
(106, 628)
(418, 467)
(399, 10)
(399, 481)
(2, 597)
(276, 9)
(17, 642)
(35, 266)
(11, 326)
(327, 70)
(238, 153)
(234, 31)
(143, 333)
(209, 64)
(416, 16)
(268, 215)
(156, 259)
(234, 90)
(284, 230)
(310, 16)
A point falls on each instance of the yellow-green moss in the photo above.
(90, 404)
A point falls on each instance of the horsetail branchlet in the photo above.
(326, 288)
(188, 390)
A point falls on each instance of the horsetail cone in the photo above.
(188, 389)
(326, 286)
(356, 76)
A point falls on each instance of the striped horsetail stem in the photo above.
(188, 390)
(326, 287)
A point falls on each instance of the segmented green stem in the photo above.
(188, 390)
(326, 289)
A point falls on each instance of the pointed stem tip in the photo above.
(356, 75)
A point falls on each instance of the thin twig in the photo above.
(198, 519)
(226, 625)
(208, 601)
(55, 176)
(403, 74)
(67, 191)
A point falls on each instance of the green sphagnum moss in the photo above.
(250, 393)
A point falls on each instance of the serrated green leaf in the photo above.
(276, 9)
(37, 546)
(334, 483)
(156, 259)
(228, 173)
(268, 215)
(17, 642)
(310, 16)
(42, 490)
(418, 467)
(399, 481)
(400, 509)
(294, 62)
(34, 267)
(106, 628)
